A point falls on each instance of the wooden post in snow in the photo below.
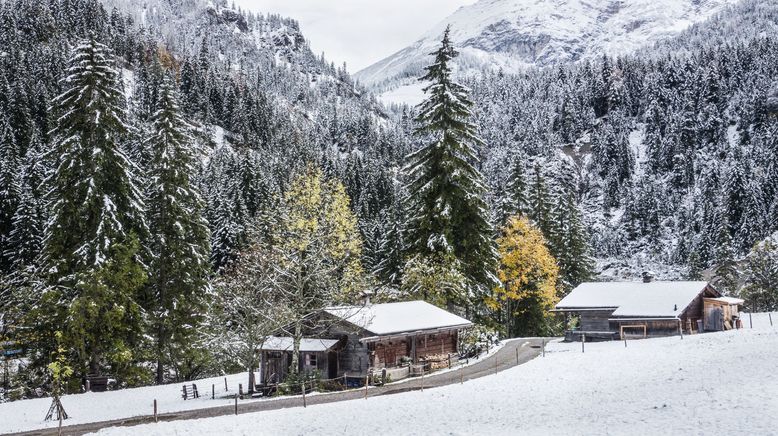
(155, 410)
(680, 328)
(422, 377)
(543, 347)
(304, 402)
(583, 341)
(236, 405)
(770, 315)
(213, 391)
(751, 319)
(225, 384)
(366, 385)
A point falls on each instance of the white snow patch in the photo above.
(411, 94)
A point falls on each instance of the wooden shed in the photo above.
(613, 310)
(361, 339)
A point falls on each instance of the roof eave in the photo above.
(400, 334)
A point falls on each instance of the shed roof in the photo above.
(393, 318)
(727, 300)
(635, 299)
(307, 345)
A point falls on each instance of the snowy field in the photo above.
(95, 407)
(703, 384)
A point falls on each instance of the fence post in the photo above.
(583, 341)
(304, 402)
(680, 328)
(225, 384)
(155, 410)
(213, 391)
(543, 347)
(240, 389)
(236, 405)
(751, 319)
(517, 356)
(462, 376)
(366, 385)
(625, 342)
(422, 377)
(770, 315)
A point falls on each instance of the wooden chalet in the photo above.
(613, 310)
(358, 340)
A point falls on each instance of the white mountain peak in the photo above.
(512, 34)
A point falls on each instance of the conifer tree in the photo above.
(179, 235)
(516, 201)
(90, 249)
(571, 246)
(9, 189)
(540, 203)
(448, 215)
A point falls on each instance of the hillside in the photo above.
(720, 382)
(511, 35)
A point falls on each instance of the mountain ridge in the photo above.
(515, 34)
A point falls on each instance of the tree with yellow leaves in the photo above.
(528, 275)
(317, 250)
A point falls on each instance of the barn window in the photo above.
(310, 360)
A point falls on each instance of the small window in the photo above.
(310, 360)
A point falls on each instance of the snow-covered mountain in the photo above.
(511, 34)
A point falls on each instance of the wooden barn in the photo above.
(356, 340)
(613, 310)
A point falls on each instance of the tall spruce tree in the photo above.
(91, 242)
(447, 213)
(179, 236)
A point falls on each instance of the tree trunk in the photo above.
(298, 335)
(252, 380)
(160, 347)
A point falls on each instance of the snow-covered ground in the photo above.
(703, 384)
(95, 407)
(90, 407)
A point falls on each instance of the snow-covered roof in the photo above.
(653, 299)
(392, 318)
(308, 345)
(728, 300)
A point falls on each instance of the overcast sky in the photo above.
(359, 32)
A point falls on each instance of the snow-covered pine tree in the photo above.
(9, 189)
(571, 246)
(90, 254)
(541, 203)
(516, 201)
(25, 240)
(391, 247)
(448, 215)
(179, 245)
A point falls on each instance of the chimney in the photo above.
(648, 276)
